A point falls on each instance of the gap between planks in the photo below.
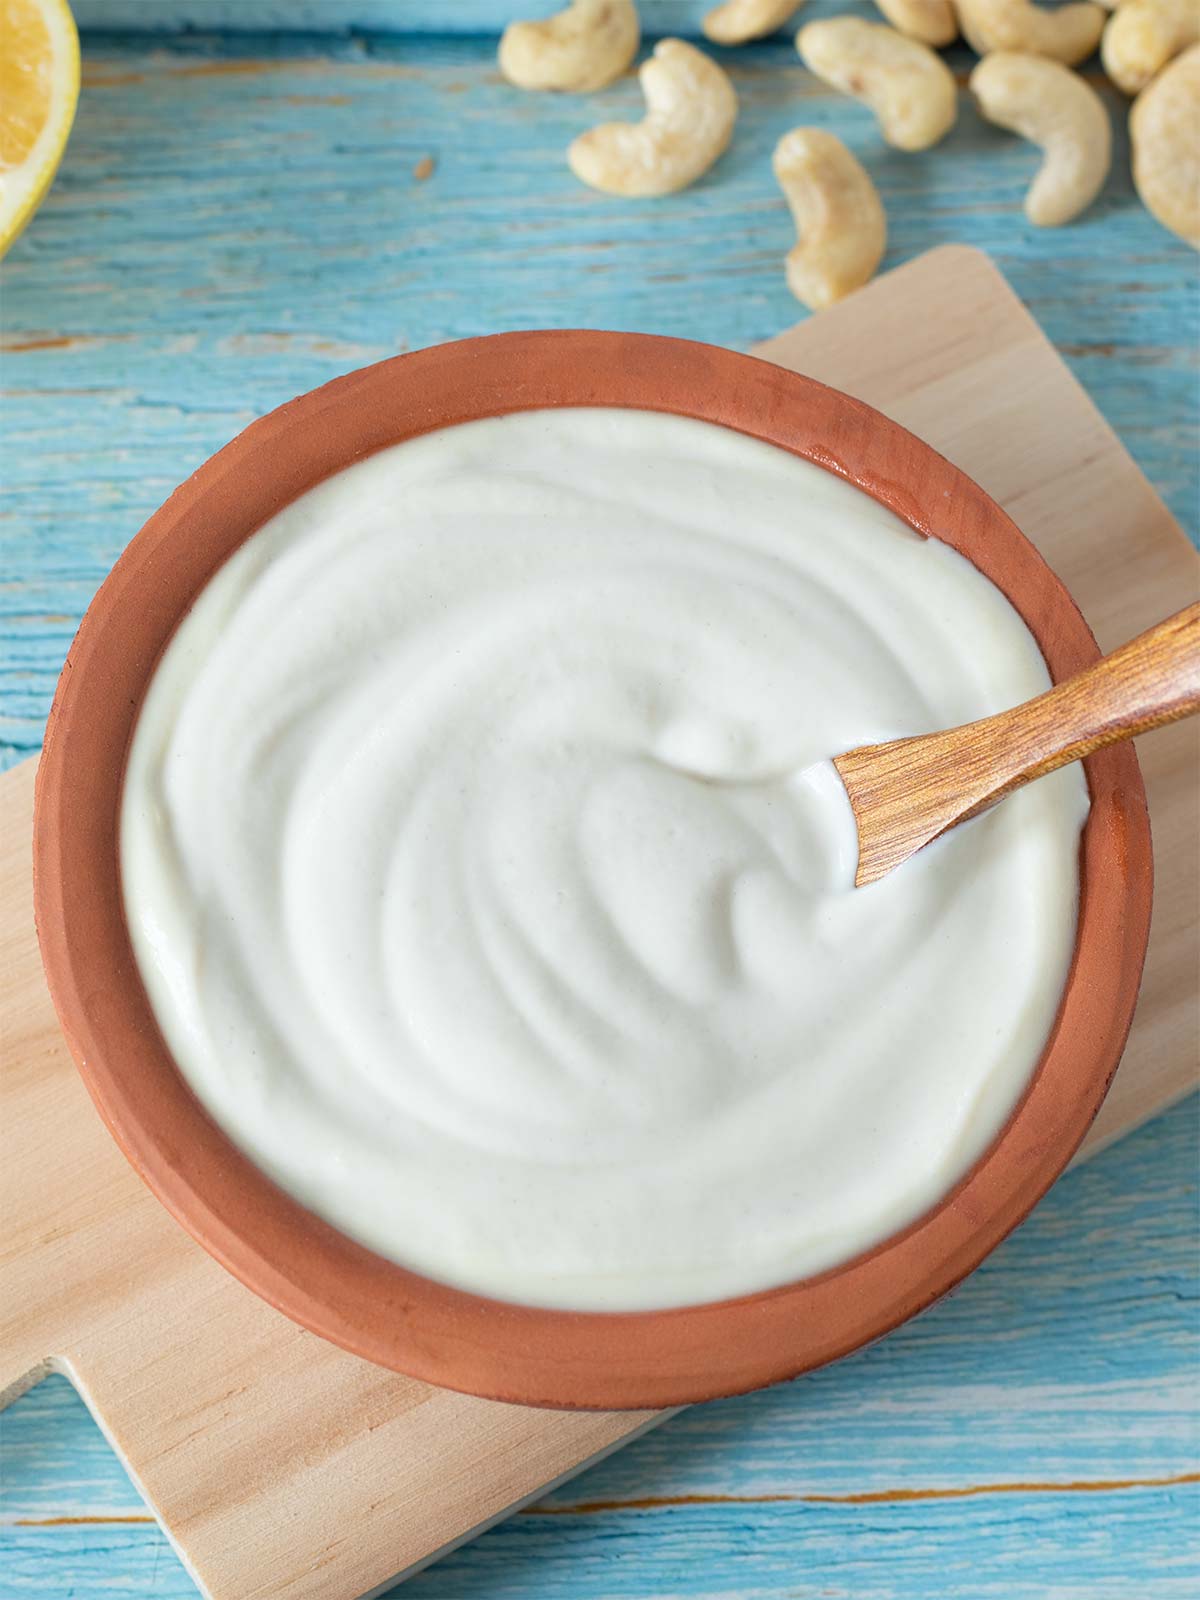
(870, 1497)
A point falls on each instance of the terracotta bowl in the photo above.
(306, 1268)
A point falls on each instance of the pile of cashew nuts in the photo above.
(1150, 49)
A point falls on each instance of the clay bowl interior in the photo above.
(304, 1267)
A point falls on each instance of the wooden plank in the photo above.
(261, 1446)
(237, 220)
(338, 16)
(1070, 1357)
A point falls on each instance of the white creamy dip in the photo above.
(482, 894)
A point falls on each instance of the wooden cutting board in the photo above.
(280, 1466)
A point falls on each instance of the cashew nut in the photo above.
(910, 89)
(838, 215)
(690, 112)
(1164, 129)
(1068, 34)
(931, 21)
(738, 21)
(1052, 107)
(1143, 36)
(582, 48)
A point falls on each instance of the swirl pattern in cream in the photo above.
(492, 887)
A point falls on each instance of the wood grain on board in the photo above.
(281, 1466)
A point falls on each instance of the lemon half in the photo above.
(39, 85)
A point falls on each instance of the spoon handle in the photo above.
(908, 791)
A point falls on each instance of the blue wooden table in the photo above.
(240, 216)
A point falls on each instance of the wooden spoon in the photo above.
(908, 791)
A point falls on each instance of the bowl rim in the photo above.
(303, 1266)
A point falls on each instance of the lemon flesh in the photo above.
(39, 85)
